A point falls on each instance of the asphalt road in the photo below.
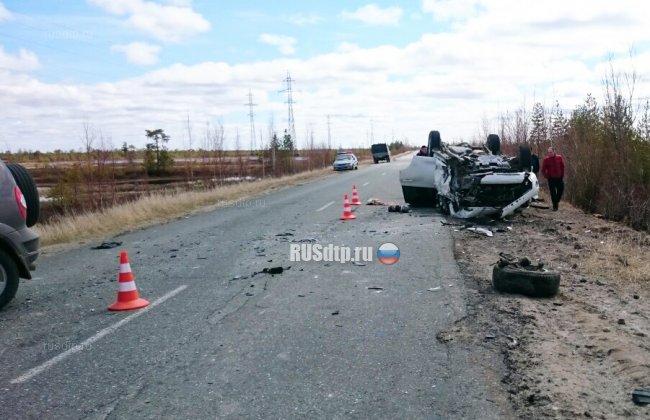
(220, 342)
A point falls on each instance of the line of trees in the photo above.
(606, 147)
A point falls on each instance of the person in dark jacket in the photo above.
(424, 151)
(535, 163)
(553, 171)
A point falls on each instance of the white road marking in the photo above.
(325, 206)
(106, 331)
(363, 185)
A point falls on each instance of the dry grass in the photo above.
(621, 258)
(156, 209)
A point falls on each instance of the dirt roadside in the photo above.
(583, 352)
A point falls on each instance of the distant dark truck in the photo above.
(380, 151)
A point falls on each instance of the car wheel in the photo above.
(356, 167)
(494, 144)
(387, 160)
(28, 187)
(410, 196)
(526, 282)
(525, 158)
(8, 278)
(376, 161)
(435, 142)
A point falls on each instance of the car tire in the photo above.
(494, 144)
(28, 187)
(376, 161)
(526, 282)
(387, 160)
(525, 158)
(356, 167)
(435, 142)
(8, 278)
(410, 196)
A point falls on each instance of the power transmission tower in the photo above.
(329, 134)
(290, 122)
(251, 114)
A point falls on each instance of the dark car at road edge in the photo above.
(19, 245)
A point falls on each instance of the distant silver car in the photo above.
(19, 245)
(466, 181)
(345, 161)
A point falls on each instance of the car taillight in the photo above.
(22, 204)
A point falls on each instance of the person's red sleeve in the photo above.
(561, 167)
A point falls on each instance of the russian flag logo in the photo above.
(388, 253)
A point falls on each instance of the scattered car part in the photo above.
(641, 396)
(27, 186)
(466, 181)
(522, 277)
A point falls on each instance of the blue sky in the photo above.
(380, 69)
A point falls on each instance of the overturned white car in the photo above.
(467, 181)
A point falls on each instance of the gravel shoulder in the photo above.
(581, 353)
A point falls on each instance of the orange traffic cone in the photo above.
(355, 196)
(347, 210)
(127, 294)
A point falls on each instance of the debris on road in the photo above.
(357, 263)
(335, 313)
(375, 202)
(375, 288)
(271, 270)
(397, 208)
(434, 289)
(481, 231)
(107, 245)
(284, 234)
(641, 396)
(305, 241)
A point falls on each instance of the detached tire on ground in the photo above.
(526, 282)
(8, 278)
(28, 187)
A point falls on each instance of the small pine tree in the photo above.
(538, 132)
(559, 123)
(157, 159)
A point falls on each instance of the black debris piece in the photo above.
(305, 241)
(335, 313)
(285, 234)
(641, 396)
(375, 288)
(107, 245)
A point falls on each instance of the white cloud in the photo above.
(169, 23)
(23, 61)
(371, 14)
(284, 44)
(5, 14)
(443, 10)
(449, 81)
(304, 20)
(139, 53)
